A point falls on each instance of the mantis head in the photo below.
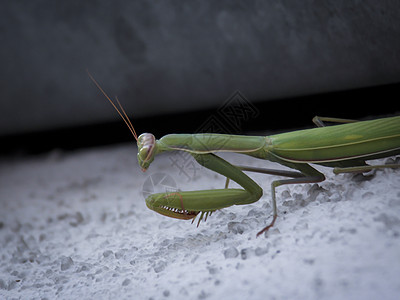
(146, 143)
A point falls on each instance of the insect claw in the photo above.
(201, 217)
(205, 219)
(267, 227)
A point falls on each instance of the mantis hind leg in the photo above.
(362, 169)
(319, 121)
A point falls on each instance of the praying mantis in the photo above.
(345, 147)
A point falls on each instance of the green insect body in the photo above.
(341, 146)
(344, 147)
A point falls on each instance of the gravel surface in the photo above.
(75, 225)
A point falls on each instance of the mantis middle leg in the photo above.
(309, 177)
(307, 174)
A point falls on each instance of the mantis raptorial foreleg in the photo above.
(187, 204)
(221, 166)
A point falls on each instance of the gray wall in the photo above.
(171, 56)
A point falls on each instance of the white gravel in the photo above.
(75, 226)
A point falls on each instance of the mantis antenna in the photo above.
(120, 111)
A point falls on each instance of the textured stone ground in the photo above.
(76, 225)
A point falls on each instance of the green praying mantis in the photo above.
(345, 147)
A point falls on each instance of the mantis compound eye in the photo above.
(146, 144)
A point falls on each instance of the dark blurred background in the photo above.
(173, 64)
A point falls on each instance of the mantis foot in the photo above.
(267, 227)
(207, 213)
